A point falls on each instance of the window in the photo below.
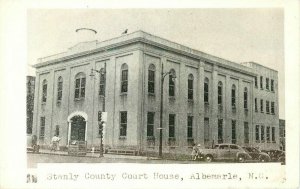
(255, 81)
(268, 134)
(44, 95)
(262, 105)
(257, 133)
(220, 93)
(189, 126)
(57, 130)
(262, 134)
(261, 82)
(124, 78)
(79, 86)
(171, 84)
(267, 107)
(245, 98)
(59, 89)
(42, 127)
(206, 90)
(272, 108)
(171, 125)
(123, 124)
(267, 83)
(151, 79)
(272, 85)
(102, 82)
(150, 124)
(255, 104)
(206, 129)
(273, 134)
(233, 131)
(233, 97)
(190, 87)
(246, 132)
(220, 130)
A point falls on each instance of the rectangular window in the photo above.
(220, 130)
(219, 95)
(190, 89)
(102, 84)
(151, 81)
(261, 82)
(233, 132)
(261, 105)
(82, 87)
(255, 104)
(262, 134)
(59, 91)
(257, 133)
(77, 87)
(267, 107)
(206, 92)
(233, 99)
(189, 127)
(123, 124)
(272, 108)
(44, 97)
(267, 83)
(171, 125)
(150, 124)
(268, 134)
(42, 127)
(246, 132)
(272, 85)
(171, 86)
(124, 81)
(206, 129)
(273, 134)
(255, 81)
(57, 130)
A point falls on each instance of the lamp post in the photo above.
(100, 118)
(163, 75)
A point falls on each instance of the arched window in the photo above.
(59, 89)
(245, 98)
(172, 83)
(102, 82)
(220, 93)
(190, 87)
(44, 94)
(151, 79)
(233, 97)
(206, 86)
(124, 78)
(80, 81)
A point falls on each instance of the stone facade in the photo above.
(137, 58)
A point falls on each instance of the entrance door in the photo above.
(78, 128)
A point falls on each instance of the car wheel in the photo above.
(282, 160)
(208, 158)
(241, 159)
(262, 159)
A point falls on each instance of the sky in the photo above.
(238, 35)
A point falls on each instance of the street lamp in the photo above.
(100, 117)
(163, 75)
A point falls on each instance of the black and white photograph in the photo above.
(136, 93)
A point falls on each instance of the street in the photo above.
(33, 159)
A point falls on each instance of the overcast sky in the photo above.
(238, 35)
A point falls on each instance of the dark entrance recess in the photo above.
(78, 128)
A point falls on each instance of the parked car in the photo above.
(276, 155)
(256, 154)
(228, 152)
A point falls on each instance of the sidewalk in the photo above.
(96, 155)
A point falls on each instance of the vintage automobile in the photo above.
(256, 154)
(227, 152)
(32, 145)
(276, 155)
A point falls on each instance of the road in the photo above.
(33, 159)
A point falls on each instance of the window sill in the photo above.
(43, 103)
(151, 94)
(190, 101)
(150, 138)
(172, 98)
(123, 94)
(122, 137)
(79, 99)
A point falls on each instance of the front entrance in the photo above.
(78, 125)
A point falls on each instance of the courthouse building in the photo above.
(211, 100)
